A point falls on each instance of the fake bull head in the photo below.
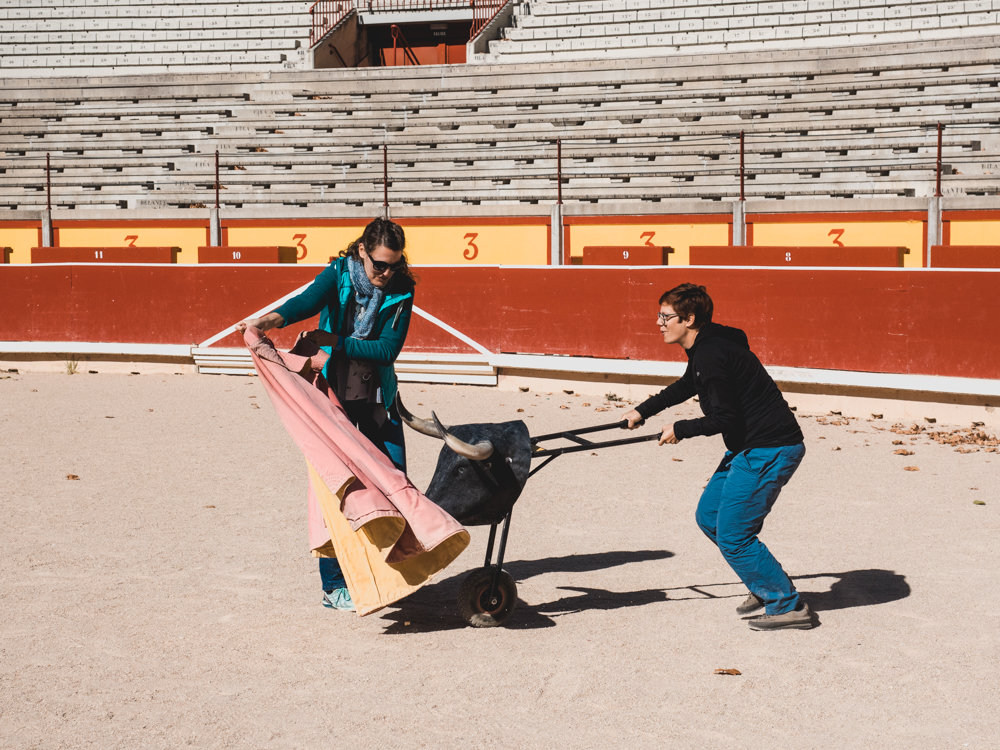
(481, 469)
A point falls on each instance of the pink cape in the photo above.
(382, 507)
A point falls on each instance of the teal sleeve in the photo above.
(319, 294)
(383, 350)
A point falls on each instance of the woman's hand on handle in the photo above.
(667, 435)
(321, 338)
(263, 323)
(634, 418)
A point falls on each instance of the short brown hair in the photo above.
(690, 299)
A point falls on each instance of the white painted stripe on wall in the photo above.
(232, 329)
(454, 332)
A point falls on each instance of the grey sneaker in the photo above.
(750, 605)
(338, 599)
(798, 619)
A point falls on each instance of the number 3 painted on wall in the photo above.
(305, 250)
(472, 250)
(836, 234)
(648, 236)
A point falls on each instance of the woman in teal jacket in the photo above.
(364, 299)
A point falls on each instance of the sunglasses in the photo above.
(381, 266)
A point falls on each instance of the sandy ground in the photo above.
(166, 598)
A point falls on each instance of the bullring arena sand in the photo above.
(166, 598)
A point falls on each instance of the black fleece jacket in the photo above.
(736, 394)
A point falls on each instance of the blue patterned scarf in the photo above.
(367, 296)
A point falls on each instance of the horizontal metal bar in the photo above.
(610, 444)
(581, 431)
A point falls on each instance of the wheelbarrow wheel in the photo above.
(474, 601)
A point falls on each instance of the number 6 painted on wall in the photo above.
(472, 246)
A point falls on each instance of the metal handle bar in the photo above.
(586, 430)
(592, 446)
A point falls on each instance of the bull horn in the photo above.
(424, 426)
(478, 452)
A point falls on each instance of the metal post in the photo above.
(48, 182)
(216, 179)
(937, 190)
(742, 194)
(559, 171)
(385, 174)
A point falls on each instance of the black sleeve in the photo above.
(719, 400)
(676, 393)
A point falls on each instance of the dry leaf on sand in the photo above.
(903, 452)
(72, 476)
(911, 468)
(727, 671)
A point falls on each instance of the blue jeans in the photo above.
(389, 439)
(732, 510)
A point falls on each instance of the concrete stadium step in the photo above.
(581, 30)
(411, 367)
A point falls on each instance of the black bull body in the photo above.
(481, 469)
(479, 493)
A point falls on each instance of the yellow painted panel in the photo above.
(315, 244)
(20, 240)
(472, 244)
(908, 234)
(678, 236)
(188, 239)
(975, 233)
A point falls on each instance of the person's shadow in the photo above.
(857, 588)
(434, 607)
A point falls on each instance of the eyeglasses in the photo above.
(381, 266)
(664, 319)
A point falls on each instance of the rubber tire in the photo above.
(472, 603)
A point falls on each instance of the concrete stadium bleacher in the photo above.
(104, 37)
(850, 122)
(584, 29)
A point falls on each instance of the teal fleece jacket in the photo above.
(329, 296)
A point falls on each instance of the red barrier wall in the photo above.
(904, 321)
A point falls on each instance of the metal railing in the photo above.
(555, 167)
(385, 6)
(326, 14)
(484, 11)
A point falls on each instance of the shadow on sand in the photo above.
(857, 588)
(434, 607)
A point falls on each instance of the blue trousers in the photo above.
(388, 438)
(732, 510)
